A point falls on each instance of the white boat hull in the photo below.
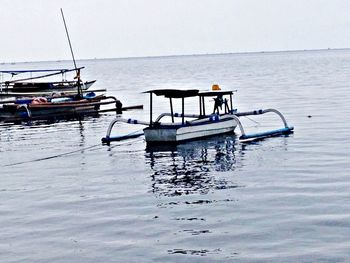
(192, 130)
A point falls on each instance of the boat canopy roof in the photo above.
(215, 93)
(174, 93)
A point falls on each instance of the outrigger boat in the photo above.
(223, 119)
(39, 85)
(51, 100)
(195, 126)
(42, 106)
(57, 107)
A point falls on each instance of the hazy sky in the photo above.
(32, 30)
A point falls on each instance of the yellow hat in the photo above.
(215, 87)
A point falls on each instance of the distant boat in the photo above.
(41, 108)
(35, 98)
(33, 84)
(47, 86)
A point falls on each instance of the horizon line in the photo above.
(181, 55)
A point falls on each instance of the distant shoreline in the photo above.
(185, 55)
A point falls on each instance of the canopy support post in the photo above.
(183, 110)
(203, 105)
(150, 111)
(171, 110)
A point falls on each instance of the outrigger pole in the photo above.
(57, 72)
(71, 50)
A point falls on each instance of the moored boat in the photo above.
(41, 108)
(47, 98)
(26, 87)
(223, 119)
(191, 126)
(40, 84)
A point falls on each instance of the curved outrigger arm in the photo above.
(286, 130)
(108, 137)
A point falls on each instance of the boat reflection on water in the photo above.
(194, 167)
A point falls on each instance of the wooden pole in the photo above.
(150, 110)
(203, 105)
(171, 110)
(183, 110)
(71, 50)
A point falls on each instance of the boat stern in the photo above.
(158, 135)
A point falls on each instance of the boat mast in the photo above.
(71, 50)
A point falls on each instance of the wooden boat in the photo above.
(47, 93)
(35, 100)
(54, 104)
(41, 108)
(223, 119)
(194, 127)
(24, 86)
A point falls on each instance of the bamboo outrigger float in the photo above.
(223, 119)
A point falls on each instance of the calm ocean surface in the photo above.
(65, 197)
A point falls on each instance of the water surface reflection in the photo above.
(193, 167)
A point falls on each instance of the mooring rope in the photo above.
(253, 120)
(66, 153)
(53, 156)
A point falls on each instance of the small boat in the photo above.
(72, 92)
(47, 86)
(27, 85)
(223, 119)
(38, 100)
(44, 100)
(41, 108)
(195, 126)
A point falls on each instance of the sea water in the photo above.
(65, 197)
